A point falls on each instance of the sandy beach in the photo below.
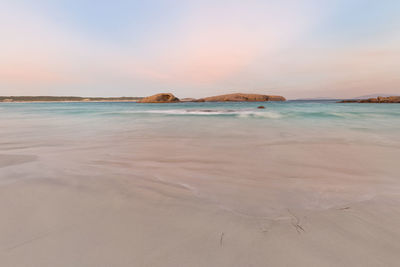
(163, 133)
(130, 195)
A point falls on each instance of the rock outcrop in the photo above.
(379, 99)
(239, 97)
(160, 98)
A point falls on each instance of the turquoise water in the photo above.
(227, 123)
(258, 162)
(325, 117)
(290, 110)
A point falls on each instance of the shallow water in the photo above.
(253, 162)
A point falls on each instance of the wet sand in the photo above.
(93, 206)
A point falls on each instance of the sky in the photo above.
(294, 48)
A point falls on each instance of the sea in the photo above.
(254, 162)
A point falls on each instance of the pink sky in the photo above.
(292, 48)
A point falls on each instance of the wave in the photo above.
(211, 112)
(337, 115)
(247, 113)
(319, 114)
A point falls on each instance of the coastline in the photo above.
(97, 101)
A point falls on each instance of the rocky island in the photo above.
(160, 98)
(239, 97)
(379, 99)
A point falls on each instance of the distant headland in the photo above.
(66, 99)
(379, 99)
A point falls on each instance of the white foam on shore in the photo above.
(213, 112)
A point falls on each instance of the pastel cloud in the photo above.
(205, 48)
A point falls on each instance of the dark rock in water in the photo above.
(261, 107)
(160, 98)
(239, 97)
(379, 99)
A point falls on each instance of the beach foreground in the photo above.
(118, 186)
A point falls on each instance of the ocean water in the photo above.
(254, 162)
(279, 121)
